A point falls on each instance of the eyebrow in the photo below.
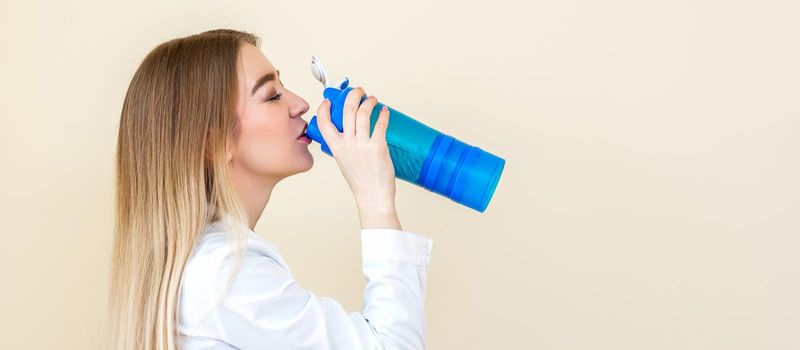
(264, 79)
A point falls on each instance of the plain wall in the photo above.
(651, 197)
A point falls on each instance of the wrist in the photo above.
(379, 217)
(375, 205)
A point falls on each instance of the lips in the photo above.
(303, 137)
(303, 132)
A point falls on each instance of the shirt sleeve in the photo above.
(267, 309)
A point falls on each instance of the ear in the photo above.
(207, 152)
(229, 151)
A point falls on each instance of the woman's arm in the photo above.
(363, 159)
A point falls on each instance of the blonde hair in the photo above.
(178, 118)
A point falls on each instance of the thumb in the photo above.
(326, 127)
(379, 133)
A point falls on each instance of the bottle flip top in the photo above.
(421, 155)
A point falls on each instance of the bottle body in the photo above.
(426, 157)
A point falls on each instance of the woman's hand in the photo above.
(363, 160)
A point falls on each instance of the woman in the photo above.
(207, 130)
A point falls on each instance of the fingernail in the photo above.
(384, 108)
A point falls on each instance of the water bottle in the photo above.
(421, 155)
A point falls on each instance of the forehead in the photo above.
(252, 65)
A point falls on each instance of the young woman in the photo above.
(206, 132)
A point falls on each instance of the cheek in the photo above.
(265, 143)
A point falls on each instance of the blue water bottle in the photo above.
(421, 155)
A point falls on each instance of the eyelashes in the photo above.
(274, 98)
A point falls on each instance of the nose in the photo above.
(299, 107)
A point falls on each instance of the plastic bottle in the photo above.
(420, 154)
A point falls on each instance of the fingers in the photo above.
(350, 107)
(363, 117)
(379, 134)
(326, 127)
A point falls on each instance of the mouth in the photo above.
(303, 136)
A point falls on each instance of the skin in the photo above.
(268, 151)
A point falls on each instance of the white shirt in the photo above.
(267, 309)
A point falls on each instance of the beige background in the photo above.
(651, 198)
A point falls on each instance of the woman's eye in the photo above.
(274, 98)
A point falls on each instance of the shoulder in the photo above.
(206, 272)
(214, 250)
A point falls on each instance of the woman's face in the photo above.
(269, 122)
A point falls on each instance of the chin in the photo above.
(298, 164)
(307, 163)
(310, 165)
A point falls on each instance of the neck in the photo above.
(253, 192)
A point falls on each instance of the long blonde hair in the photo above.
(178, 119)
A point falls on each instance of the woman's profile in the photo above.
(207, 130)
